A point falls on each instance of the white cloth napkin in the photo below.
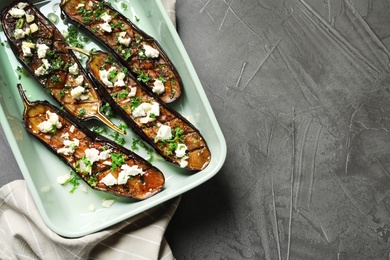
(24, 235)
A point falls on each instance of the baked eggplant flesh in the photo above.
(101, 163)
(168, 132)
(138, 51)
(41, 49)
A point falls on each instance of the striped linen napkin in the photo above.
(24, 235)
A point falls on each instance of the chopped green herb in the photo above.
(127, 54)
(117, 160)
(117, 138)
(82, 112)
(124, 6)
(99, 130)
(74, 180)
(135, 102)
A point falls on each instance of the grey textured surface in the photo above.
(301, 91)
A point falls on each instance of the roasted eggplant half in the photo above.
(41, 49)
(139, 52)
(101, 163)
(168, 132)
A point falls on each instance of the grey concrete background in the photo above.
(301, 91)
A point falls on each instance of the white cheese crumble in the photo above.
(122, 40)
(180, 150)
(183, 162)
(78, 93)
(107, 203)
(119, 80)
(106, 17)
(71, 129)
(26, 51)
(133, 91)
(109, 180)
(105, 27)
(158, 87)
(19, 34)
(51, 122)
(74, 69)
(151, 52)
(92, 155)
(103, 74)
(79, 80)
(164, 132)
(22, 5)
(65, 136)
(128, 171)
(63, 179)
(42, 50)
(79, 6)
(91, 207)
(42, 70)
(69, 146)
(144, 110)
(16, 12)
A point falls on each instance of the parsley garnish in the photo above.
(117, 160)
(82, 112)
(74, 180)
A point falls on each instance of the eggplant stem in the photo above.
(26, 102)
(110, 124)
(83, 51)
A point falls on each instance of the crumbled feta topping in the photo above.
(107, 203)
(103, 74)
(71, 129)
(79, 80)
(74, 69)
(91, 207)
(42, 70)
(51, 122)
(22, 5)
(133, 91)
(19, 34)
(63, 179)
(122, 40)
(92, 155)
(104, 155)
(128, 171)
(158, 87)
(69, 146)
(151, 52)
(105, 27)
(78, 93)
(164, 132)
(79, 6)
(109, 180)
(42, 50)
(26, 51)
(16, 12)
(106, 17)
(119, 80)
(183, 162)
(180, 150)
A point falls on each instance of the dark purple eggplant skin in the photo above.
(174, 87)
(138, 187)
(199, 153)
(58, 82)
